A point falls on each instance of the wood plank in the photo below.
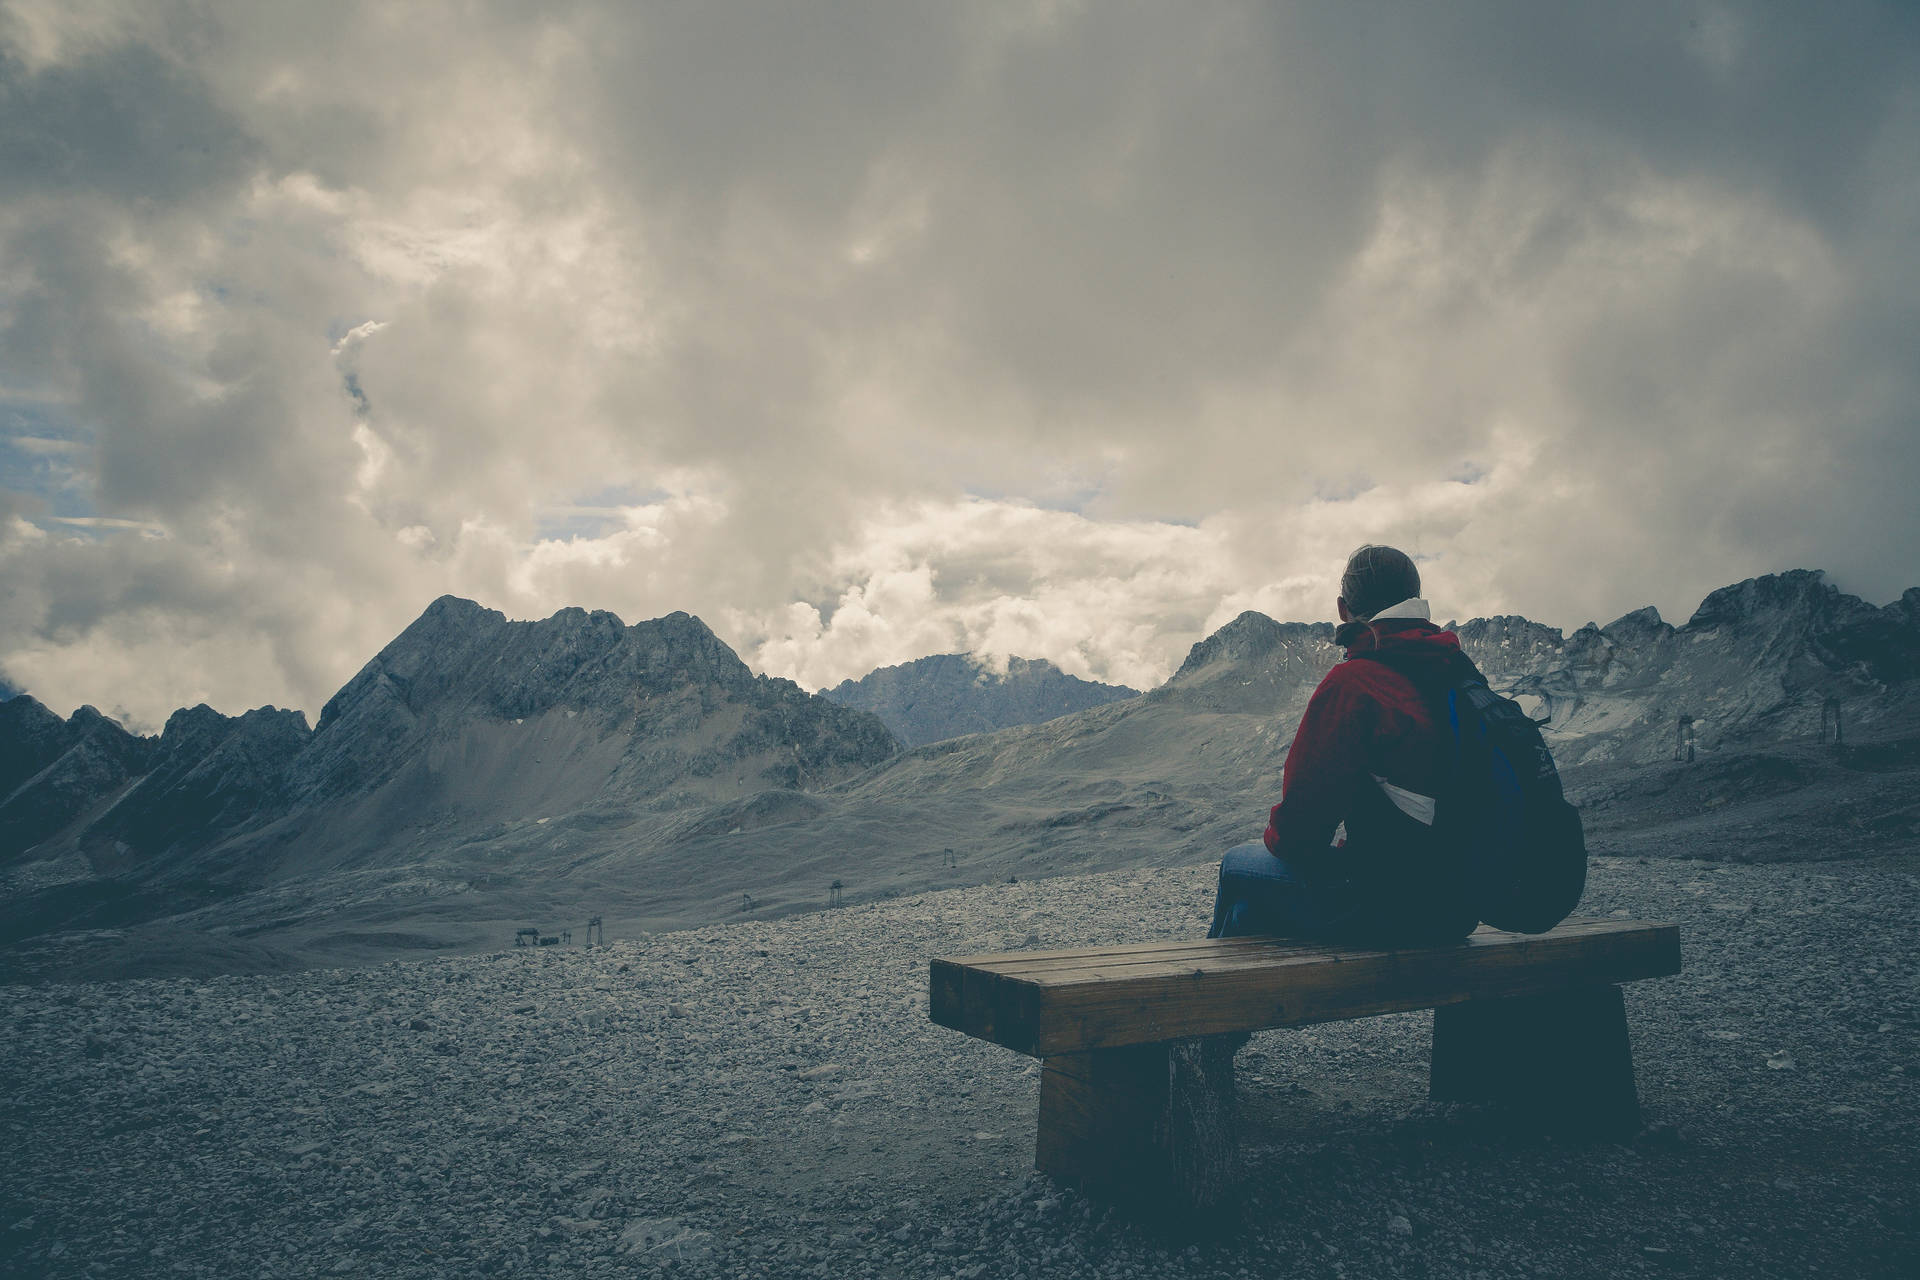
(1097, 1112)
(1097, 964)
(1037, 962)
(998, 959)
(1220, 988)
(1127, 966)
(1152, 1126)
(945, 984)
(1562, 1059)
(1204, 956)
(1220, 951)
(1095, 1015)
(969, 996)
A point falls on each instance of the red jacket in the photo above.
(1365, 723)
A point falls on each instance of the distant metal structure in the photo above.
(949, 859)
(526, 938)
(746, 902)
(594, 925)
(1683, 740)
(566, 937)
(549, 940)
(1831, 732)
(833, 894)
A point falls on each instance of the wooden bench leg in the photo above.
(1561, 1058)
(1152, 1125)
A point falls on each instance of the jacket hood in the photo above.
(1407, 639)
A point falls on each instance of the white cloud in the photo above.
(1119, 601)
(1066, 331)
(357, 335)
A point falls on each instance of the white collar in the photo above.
(1413, 607)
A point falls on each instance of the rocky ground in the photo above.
(770, 1099)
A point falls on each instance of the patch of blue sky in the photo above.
(1469, 472)
(593, 515)
(622, 495)
(1075, 501)
(43, 454)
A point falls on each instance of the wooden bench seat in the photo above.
(1136, 1094)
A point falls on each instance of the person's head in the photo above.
(1375, 578)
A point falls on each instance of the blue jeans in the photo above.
(1260, 893)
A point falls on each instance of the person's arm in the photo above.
(1325, 767)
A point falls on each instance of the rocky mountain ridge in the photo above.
(461, 719)
(1190, 768)
(58, 770)
(1771, 658)
(478, 770)
(950, 694)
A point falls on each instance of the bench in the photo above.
(1137, 1042)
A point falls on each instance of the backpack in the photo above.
(1502, 814)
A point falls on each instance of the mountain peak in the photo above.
(945, 695)
(1509, 629)
(89, 716)
(1641, 622)
(1248, 638)
(24, 708)
(457, 607)
(31, 738)
(1796, 590)
(1906, 610)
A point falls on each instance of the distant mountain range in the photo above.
(1760, 661)
(950, 694)
(465, 726)
(479, 770)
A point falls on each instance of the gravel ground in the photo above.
(770, 1099)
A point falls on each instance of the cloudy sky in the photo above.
(866, 331)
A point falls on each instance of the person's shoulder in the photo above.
(1370, 678)
(1357, 675)
(1360, 665)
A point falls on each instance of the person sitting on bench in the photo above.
(1349, 853)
